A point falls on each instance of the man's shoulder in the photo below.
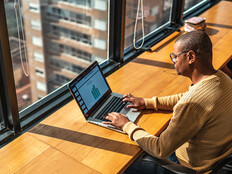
(215, 87)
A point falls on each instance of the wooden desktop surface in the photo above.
(65, 143)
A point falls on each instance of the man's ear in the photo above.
(191, 57)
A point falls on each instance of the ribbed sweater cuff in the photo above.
(151, 103)
(130, 128)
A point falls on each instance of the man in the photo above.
(200, 131)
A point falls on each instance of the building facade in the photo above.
(63, 38)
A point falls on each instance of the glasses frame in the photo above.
(175, 56)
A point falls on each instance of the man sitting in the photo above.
(200, 131)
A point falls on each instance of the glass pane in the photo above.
(60, 38)
(155, 14)
(1, 116)
(190, 3)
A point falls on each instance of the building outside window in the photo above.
(100, 44)
(41, 86)
(39, 72)
(100, 24)
(37, 41)
(83, 3)
(74, 35)
(100, 5)
(38, 57)
(35, 24)
(34, 7)
(56, 30)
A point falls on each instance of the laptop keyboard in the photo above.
(114, 105)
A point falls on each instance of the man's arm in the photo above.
(163, 103)
(184, 124)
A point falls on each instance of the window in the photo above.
(155, 14)
(33, 7)
(37, 41)
(74, 35)
(38, 57)
(190, 3)
(39, 72)
(42, 42)
(99, 43)
(100, 24)
(35, 24)
(84, 3)
(100, 5)
(39, 97)
(2, 124)
(69, 16)
(61, 79)
(55, 52)
(41, 86)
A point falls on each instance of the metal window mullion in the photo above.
(177, 11)
(2, 116)
(8, 91)
(117, 30)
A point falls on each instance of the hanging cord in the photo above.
(136, 21)
(24, 41)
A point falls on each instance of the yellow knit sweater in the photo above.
(200, 130)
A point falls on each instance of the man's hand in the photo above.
(138, 103)
(118, 120)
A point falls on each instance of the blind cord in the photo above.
(24, 41)
(136, 21)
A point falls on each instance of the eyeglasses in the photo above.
(175, 56)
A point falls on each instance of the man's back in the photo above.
(200, 130)
(211, 99)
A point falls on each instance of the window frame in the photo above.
(16, 122)
(199, 8)
(9, 106)
(195, 7)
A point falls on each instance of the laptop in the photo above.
(95, 98)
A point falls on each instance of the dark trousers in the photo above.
(147, 167)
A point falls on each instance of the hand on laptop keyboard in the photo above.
(118, 120)
(115, 105)
(137, 102)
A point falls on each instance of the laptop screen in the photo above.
(89, 88)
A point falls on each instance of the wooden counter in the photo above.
(65, 143)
